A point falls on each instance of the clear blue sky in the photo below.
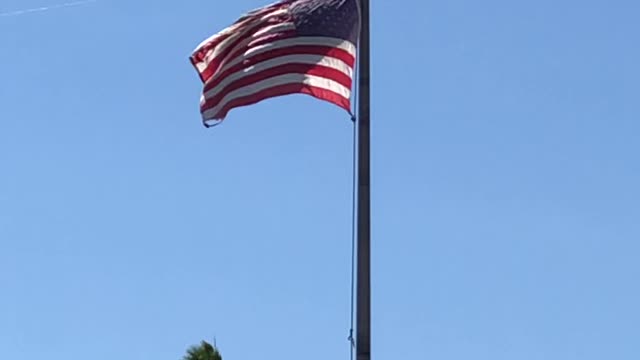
(506, 197)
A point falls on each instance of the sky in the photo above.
(505, 197)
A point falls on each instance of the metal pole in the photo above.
(363, 293)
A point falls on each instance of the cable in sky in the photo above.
(45, 8)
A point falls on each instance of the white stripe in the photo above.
(213, 38)
(311, 80)
(263, 10)
(298, 41)
(345, 45)
(251, 20)
(240, 30)
(322, 60)
(269, 30)
(251, 16)
(201, 67)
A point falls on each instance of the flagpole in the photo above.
(363, 287)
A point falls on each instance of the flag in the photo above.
(292, 46)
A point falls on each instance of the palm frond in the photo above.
(204, 351)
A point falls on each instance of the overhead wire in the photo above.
(45, 8)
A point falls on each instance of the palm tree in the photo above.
(204, 351)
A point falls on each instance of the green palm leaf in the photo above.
(204, 351)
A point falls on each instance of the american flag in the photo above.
(292, 46)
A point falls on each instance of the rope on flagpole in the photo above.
(353, 243)
(351, 338)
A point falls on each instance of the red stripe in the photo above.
(259, 42)
(208, 72)
(309, 69)
(194, 62)
(215, 63)
(269, 39)
(241, 23)
(201, 52)
(281, 90)
(213, 66)
(260, 11)
(337, 53)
